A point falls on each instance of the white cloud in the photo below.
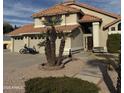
(115, 3)
(14, 13)
(17, 20)
(19, 10)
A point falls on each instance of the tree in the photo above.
(7, 27)
(113, 43)
(50, 42)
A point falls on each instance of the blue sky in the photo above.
(18, 12)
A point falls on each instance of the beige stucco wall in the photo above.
(116, 29)
(77, 40)
(18, 44)
(105, 20)
(38, 22)
(70, 19)
(96, 34)
(34, 43)
(67, 45)
(12, 45)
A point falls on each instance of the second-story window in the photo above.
(112, 28)
(53, 20)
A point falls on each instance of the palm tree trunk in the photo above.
(48, 51)
(61, 50)
(53, 53)
(53, 37)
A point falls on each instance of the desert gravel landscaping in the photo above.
(19, 68)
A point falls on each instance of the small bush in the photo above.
(114, 43)
(59, 85)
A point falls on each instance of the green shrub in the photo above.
(114, 43)
(59, 85)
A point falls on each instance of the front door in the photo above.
(89, 43)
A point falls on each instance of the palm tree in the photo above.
(51, 36)
(61, 48)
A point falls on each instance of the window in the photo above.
(119, 26)
(112, 28)
(49, 20)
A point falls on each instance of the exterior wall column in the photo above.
(96, 33)
(63, 20)
(12, 44)
(26, 40)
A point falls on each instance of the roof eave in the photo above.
(83, 21)
(107, 26)
(107, 13)
(37, 16)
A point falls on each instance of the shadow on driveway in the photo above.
(103, 68)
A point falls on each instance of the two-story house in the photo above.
(89, 27)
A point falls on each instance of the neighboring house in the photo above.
(6, 42)
(89, 27)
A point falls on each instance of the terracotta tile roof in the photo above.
(29, 29)
(56, 10)
(92, 8)
(112, 23)
(90, 18)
